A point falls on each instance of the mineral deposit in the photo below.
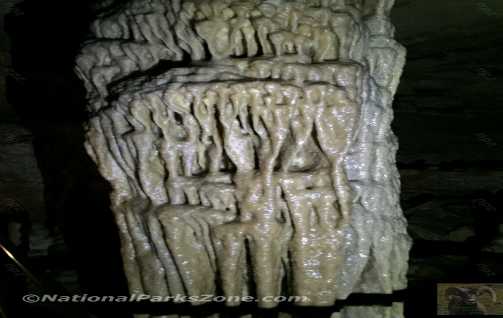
(248, 145)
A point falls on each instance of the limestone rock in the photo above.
(248, 145)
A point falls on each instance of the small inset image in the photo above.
(469, 299)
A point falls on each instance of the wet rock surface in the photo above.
(266, 165)
(447, 119)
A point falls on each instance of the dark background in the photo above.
(447, 118)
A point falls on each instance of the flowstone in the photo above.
(248, 145)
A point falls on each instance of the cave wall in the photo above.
(21, 184)
(46, 103)
(448, 120)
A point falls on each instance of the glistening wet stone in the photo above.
(263, 154)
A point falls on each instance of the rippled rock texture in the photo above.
(248, 145)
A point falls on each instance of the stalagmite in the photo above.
(249, 148)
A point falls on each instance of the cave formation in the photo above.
(249, 148)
